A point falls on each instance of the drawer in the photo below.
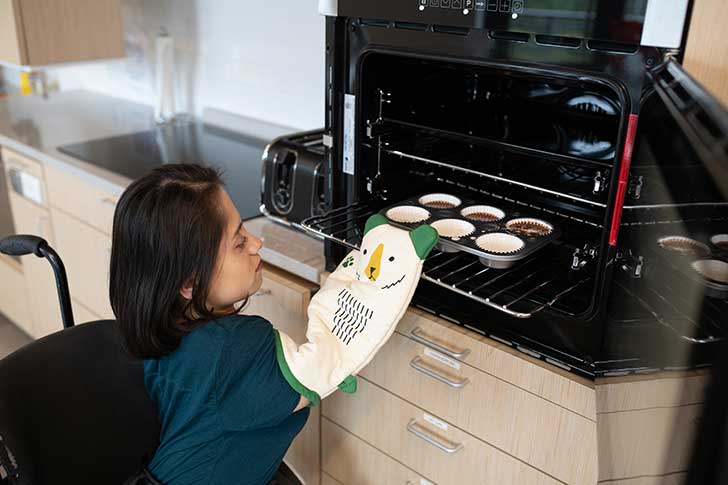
(501, 361)
(644, 442)
(81, 199)
(539, 432)
(351, 461)
(86, 254)
(27, 172)
(283, 300)
(13, 299)
(430, 446)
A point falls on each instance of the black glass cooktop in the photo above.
(238, 156)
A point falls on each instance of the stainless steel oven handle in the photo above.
(412, 428)
(417, 336)
(415, 363)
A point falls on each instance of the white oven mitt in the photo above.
(356, 310)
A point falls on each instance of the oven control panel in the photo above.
(509, 7)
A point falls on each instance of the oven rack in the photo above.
(521, 291)
(670, 308)
(576, 184)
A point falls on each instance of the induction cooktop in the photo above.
(236, 155)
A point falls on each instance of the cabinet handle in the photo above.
(263, 292)
(415, 363)
(416, 335)
(108, 201)
(414, 429)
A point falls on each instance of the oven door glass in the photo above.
(669, 297)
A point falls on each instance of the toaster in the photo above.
(293, 178)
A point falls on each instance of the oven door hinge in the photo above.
(583, 256)
(635, 187)
(630, 263)
(600, 182)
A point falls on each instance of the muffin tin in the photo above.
(704, 263)
(498, 236)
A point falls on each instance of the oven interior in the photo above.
(545, 144)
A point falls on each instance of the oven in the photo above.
(578, 117)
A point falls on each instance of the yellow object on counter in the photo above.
(26, 87)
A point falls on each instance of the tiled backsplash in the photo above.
(260, 59)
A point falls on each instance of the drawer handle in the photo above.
(412, 428)
(416, 335)
(108, 201)
(263, 292)
(415, 363)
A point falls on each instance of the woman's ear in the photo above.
(186, 290)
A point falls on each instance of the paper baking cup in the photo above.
(483, 213)
(526, 226)
(408, 214)
(720, 241)
(499, 243)
(453, 228)
(439, 201)
(712, 269)
(684, 245)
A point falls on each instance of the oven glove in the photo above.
(356, 310)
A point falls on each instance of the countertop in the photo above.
(35, 127)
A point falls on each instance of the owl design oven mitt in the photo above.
(356, 310)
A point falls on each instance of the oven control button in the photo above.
(423, 3)
(434, 3)
(457, 3)
(505, 5)
(445, 3)
(493, 5)
(468, 4)
(480, 4)
(518, 6)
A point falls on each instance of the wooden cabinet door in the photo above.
(86, 253)
(11, 48)
(13, 297)
(38, 32)
(40, 283)
(283, 300)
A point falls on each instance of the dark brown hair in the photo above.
(168, 226)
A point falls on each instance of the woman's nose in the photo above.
(257, 243)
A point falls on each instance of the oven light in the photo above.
(514, 16)
(422, 7)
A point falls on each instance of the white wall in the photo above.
(256, 58)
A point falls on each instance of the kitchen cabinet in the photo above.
(26, 187)
(13, 297)
(86, 253)
(283, 300)
(706, 52)
(39, 32)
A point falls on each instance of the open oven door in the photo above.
(676, 228)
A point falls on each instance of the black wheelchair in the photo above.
(73, 406)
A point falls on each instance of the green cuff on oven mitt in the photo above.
(356, 310)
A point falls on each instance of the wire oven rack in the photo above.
(521, 291)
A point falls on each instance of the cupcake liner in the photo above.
(720, 241)
(483, 213)
(500, 243)
(684, 245)
(408, 214)
(712, 269)
(440, 201)
(453, 228)
(530, 227)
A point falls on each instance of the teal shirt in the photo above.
(224, 406)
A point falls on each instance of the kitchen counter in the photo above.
(36, 127)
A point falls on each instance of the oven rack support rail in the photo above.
(520, 291)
